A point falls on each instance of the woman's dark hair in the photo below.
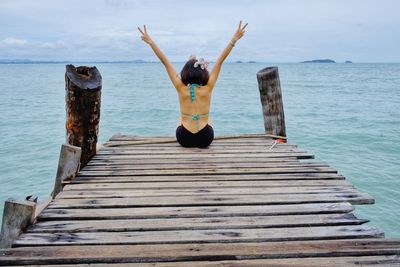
(190, 74)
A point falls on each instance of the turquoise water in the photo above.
(347, 114)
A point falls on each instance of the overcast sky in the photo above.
(278, 31)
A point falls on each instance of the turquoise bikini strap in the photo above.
(191, 88)
(195, 117)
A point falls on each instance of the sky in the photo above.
(278, 30)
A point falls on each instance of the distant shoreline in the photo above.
(27, 61)
(319, 61)
(137, 61)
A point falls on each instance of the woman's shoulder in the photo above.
(181, 86)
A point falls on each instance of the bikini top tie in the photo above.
(194, 117)
(191, 89)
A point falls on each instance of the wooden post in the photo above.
(17, 216)
(83, 92)
(271, 101)
(68, 166)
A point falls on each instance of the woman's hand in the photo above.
(145, 36)
(239, 32)
(176, 81)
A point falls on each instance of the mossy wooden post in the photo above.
(271, 101)
(83, 92)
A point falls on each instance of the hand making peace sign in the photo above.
(239, 32)
(145, 36)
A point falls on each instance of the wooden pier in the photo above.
(247, 200)
(244, 201)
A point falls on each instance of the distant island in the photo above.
(348, 61)
(240, 61)
(319, 61)
(139, 61)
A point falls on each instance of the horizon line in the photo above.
(141, 61)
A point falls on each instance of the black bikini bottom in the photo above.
(201, 139)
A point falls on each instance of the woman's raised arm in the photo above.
(218, 64)
(164, 60)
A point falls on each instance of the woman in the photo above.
(194, 86)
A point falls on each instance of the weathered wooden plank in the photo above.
(381, 261)
(206, 156)
(131, 137)
(387, 260)
(217, 148)
(206, 184)
(196, 223)
(127, 137)
(174, 144)
(216, 140)
(172, 139)
(211, 149)
(75, 194)
(241, 138)
(199, 236)
(242, 159)
(171, 166)
(195, 151)
(201, 164)
(202, 252)
(214, 144)
(192, 212)
(250, 141)
(199, 178)
(354, 198)
(252, 170)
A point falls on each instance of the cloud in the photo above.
(12, 41)
(278, 30)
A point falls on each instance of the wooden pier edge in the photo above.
(19, 215)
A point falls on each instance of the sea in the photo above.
(346, 114)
